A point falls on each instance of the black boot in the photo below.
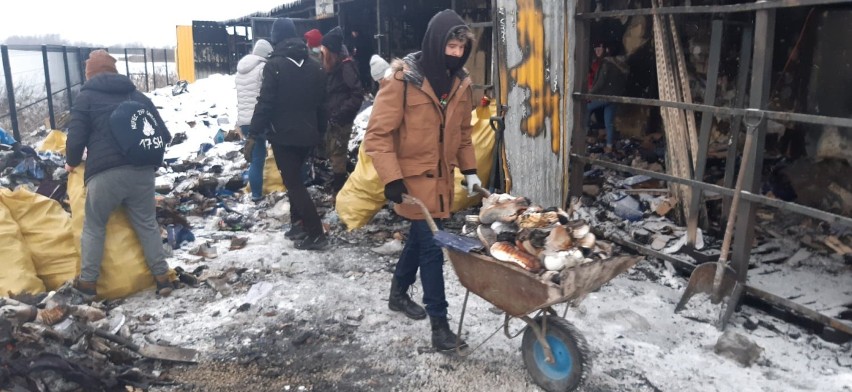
(399, 301)
(443, 339)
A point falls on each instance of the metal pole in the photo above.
(145, 62)
(578, 136)
(379, 27)
(764, 38)
(153, 68)
(10, 92)
(704, 132)
(81, 65)
(739, 102)
(46, 65)
(166, 63)
(67, 77)
(126, 63)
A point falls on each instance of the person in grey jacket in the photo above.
(248, 80)
(111, 179)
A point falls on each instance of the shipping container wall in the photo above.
(533, 64)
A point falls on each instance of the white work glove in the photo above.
(472, 180)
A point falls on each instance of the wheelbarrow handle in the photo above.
(408, 199)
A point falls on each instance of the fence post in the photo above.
(153, 68)
(145, 61)
(10, 92)
(166, 63)
(67, 77)
(81, 65)
(126, 64)
(47, 88)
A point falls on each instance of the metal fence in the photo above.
(38, 83)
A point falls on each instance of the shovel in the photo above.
(153, 351)
(718, 279)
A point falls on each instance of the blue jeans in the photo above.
(258, 157)
(420, 251)
(609, 118)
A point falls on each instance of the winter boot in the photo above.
(83, 292)
(296, 232)
(164, 285)
(443, 339)
(399, 301)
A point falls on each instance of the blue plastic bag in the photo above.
(5, 138)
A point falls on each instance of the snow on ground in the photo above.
(319, 320)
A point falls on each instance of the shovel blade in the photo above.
(166, 353)
(701, 281)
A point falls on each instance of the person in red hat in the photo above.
(314, 39)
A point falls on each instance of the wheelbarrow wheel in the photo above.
(571, 360)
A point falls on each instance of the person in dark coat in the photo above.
(361, 49)
(610, 79)
(111, 179)
(419, 133)
(344, 97)
(291, 109)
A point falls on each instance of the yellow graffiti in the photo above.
(543, 102)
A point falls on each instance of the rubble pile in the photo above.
(51, 343)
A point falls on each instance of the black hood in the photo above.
(110, 83)
(432, 49)
(294, 48)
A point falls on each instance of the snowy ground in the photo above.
(319, 320)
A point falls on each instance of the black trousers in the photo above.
(290, 160)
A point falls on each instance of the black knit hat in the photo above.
(282, 29)
(333, 40)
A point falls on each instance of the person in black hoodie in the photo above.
(344, 97)
(111, 179)
(291, 109)
(419, 132)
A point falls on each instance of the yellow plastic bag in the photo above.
(123, 270)
(54, 142)
(271, 176)
(363, 194)
(18, 272)
(482, 138)
(46, 229)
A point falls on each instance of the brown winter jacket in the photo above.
(409, 137)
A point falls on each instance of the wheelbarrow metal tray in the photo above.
(519, 292)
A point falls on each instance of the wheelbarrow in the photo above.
(555, 353)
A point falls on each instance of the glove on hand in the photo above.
(394, 191)
(248, 148)
(471, 180)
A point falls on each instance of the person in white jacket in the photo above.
(248, 81)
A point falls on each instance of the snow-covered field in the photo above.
(294, 320)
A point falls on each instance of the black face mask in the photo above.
(452, 62)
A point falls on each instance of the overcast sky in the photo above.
(150, 22)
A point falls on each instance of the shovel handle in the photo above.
(751, 127)
(408, 199)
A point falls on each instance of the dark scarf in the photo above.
(432, 59)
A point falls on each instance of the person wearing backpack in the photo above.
(290, 110)
(124, 138)
(248, 78)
